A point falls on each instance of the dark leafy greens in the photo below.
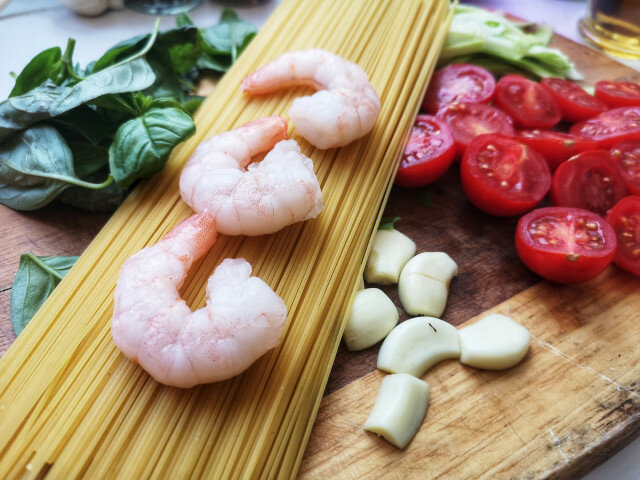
(34, 282)
(64, 129)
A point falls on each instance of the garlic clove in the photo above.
(390, 252)
(495, 342)
(417, 344)
(424, 283)
(399, 410)
(372, 317)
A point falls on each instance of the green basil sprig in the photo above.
(34, 282)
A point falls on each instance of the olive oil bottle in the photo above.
(614, 25)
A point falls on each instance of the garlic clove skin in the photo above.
(399, 410)
(495, 342)
(423, 287)
(390, 252)
(417, 344)
(372, 317)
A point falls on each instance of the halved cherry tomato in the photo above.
(626, 155)
(459, 82)
(428, 154)
(530, 105)
(611, 127)
(590, 181)
(618, 94)
(624, 218)
(565, 245)
(575, 103)
(555, 147)
(468, 120)
(502, 176)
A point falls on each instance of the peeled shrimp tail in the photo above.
(344, 108)
(153, 326)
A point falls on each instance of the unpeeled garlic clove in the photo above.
(399, 410)
(417, 344)
(424, 283)
(495, 342)
(372, 317)
(390, 252)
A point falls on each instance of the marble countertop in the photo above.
(29, 26)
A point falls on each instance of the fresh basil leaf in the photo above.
(50, 100)
(217, 63)
(63, 71)
(36, 72)
(184, 20)
(104, 200)
(88, 159)
(36, 278)
(386, 223)
(142, 145)
(192, 103)
(86, 122)
(178, 49)
(229, 36)
(121, 51)
(36, 165)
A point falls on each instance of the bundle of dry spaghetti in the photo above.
(72, 405)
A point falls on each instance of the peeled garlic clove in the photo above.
(424, 283)
(493, 343)
(373, 316)
(417, 344)
(390, 252)
(399, 410)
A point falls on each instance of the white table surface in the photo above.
(29, 26)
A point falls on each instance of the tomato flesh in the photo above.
(565, 245)
(575, 103)
(555, 147)
(502, 176)
(458, 83)
(530, 105)
(468, 120)
(624, 218)
(618, 94)
(626, 155)
(611, 127)
(590, 181)
(428, 154)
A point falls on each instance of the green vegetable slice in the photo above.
(36, 278)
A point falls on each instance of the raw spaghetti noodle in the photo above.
(72, 406)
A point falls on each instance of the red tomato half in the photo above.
(565, 245)
(458, 83)
(530, 105)
(626, 155)
(468, 120)
(618, 94)
(624, 218)
(590, 181)
(502, 176)
(575, 103)
(611, 127)
(555, 147)
(428, 154)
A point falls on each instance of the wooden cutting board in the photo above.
(570, 404)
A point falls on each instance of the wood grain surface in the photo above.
(573, 402)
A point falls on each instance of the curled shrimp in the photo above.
(242, 319)
(256, 198)
(344, 108)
